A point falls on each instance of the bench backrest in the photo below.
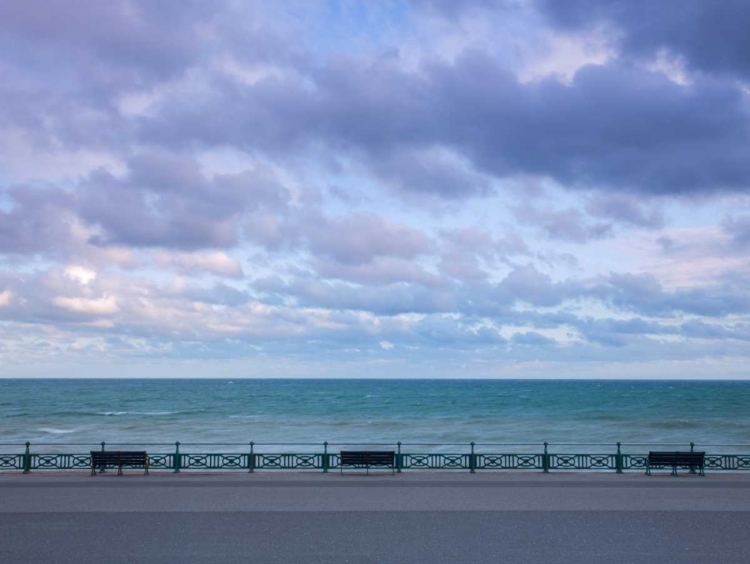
(672, 458)
(118, 457)
(367, 457)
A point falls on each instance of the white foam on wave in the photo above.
(53, 431)
(114, 413)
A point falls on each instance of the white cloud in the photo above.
(80, 274)
(216, 263)
(5, 297)
(92, 306)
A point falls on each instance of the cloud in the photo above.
(624, 208)
(216, 263)
(614, 127)
(166, 201)
(565, 225)
(226, 180)
(92, 306)
(738, 228)
(711, 38)
(360, 238)
(531, 338)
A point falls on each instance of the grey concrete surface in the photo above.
(432, 518)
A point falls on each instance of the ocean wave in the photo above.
(54, 431)
(116, 413)
(676, 424)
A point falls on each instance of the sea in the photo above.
(282, 413)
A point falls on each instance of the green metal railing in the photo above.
(472, 457)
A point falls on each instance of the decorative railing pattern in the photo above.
(476, 457)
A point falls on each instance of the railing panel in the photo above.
(634, 461)
(11, 461)
(288, 461)
(435, 461)
(508, 461)
(213, 461)
(727, 462)
(60, 461)
(559, 461)
(160, 461)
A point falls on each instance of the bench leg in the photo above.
(674, 470)
(146, 467)
(648, 469)
(93, 470)
(119, 470)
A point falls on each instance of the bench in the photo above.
(368, 459)
(119, 458)
(675, 459)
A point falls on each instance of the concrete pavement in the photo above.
(412, 517)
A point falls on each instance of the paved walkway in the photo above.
(412, 517)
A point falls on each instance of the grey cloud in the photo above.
(614, 127)
(143, 36)
(618, 332)
(165, 201)
(448, 331)
(644, 294)
(219, 294)
(624, 208)
(387, 300)
(361, 237)
(711, 36)
(381, 270)
(40, 221)
(429, 173)
(532, 339)
(738, 228)
(527, 284)
(701, 330)
(565, 225)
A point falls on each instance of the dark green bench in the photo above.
(673, 459)
(118, 458)
(368, 459)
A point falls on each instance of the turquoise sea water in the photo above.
(371, 411)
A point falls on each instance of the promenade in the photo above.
(417, 517)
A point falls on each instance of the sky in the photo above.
(401, 188)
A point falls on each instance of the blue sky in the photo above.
(424, 188)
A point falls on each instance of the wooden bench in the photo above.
(675, 459)
(368, 459)
(119, 458)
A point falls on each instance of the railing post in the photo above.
(177, 457)
(398, 458)
(472, 462)
(325, 457)
(545, 460)
(251, 458)
(27, 459)
(618, 459)
(692, 449)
